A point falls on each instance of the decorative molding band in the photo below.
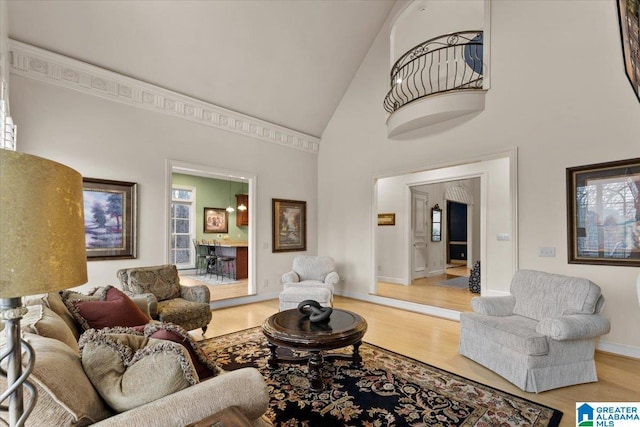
(45, 66)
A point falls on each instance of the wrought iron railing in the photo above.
(441, 64)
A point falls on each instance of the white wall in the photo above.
(559, 93)
(425, 19)
(108, 140)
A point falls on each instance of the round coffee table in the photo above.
(291, 329)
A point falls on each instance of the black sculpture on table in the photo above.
(314, 310)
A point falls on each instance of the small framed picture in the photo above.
(386, 219)
(110, 217)
(216, 220)
(289, 225)
(603, 213)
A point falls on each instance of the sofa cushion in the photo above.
(117, 309)
(162, 281)
(183, 312)
(45, 322)
(515, 332)
(65, 394)
(541, 295)
(129, 369)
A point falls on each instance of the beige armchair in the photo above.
(169, 301)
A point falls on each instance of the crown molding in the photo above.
(45, 66)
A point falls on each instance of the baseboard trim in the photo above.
(232, 302)
(394, 280)
(404, 305)
(619, 349)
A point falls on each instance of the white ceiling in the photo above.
(286, 62)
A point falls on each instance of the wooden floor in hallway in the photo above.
(427, 291)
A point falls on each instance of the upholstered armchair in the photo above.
(169, 301)
(542, 336)
(312, 277)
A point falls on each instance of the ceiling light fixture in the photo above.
(242, 206)
(230, 208)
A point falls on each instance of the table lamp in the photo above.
(42, 249)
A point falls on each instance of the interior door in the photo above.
(420, 233)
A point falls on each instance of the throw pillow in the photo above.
(130, 370)
(117, 309)
(66, 397)
(47, 323)
(171, 332)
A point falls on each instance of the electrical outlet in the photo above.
(266, 283)
(546, 251)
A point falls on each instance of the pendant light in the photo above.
(242, 207)
(230, 208)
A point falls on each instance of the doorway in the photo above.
(240, 237)
(496, 188)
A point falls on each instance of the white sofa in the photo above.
(542, 336)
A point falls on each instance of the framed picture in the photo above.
(289, 225)
(216, 220)
(603, 213)
(110, 216)
(629, 16)
(386, 219)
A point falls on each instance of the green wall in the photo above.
(214, 193)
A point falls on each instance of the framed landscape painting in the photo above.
(110, 215)
(289, 225)
(216, 220)
(603, 213)
(629, 16)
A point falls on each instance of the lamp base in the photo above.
(11, 311)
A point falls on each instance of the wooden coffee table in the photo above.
(291, 329)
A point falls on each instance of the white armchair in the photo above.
(542, 336)
(312, 277)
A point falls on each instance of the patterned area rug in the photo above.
(388, 389)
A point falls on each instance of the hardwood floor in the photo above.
(220, 292)
(435, 341)
(426, 291)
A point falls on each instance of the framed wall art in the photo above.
(603, 213)
(629, 16)
(289, 225)
(216, 220)
(386, 219)
(110, 217)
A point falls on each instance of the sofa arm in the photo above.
(148, 303)
(574, 327)
(332, 278)
(494, 306)
(290, 277)
(244, 388)
(196, 293)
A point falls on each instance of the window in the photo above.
(182, 226)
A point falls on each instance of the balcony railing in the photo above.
(442, 64)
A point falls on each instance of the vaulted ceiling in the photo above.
(286, 62)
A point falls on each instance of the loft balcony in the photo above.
(437, 80)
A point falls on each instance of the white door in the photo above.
(419, 231)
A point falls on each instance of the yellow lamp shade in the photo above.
(42, 240)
